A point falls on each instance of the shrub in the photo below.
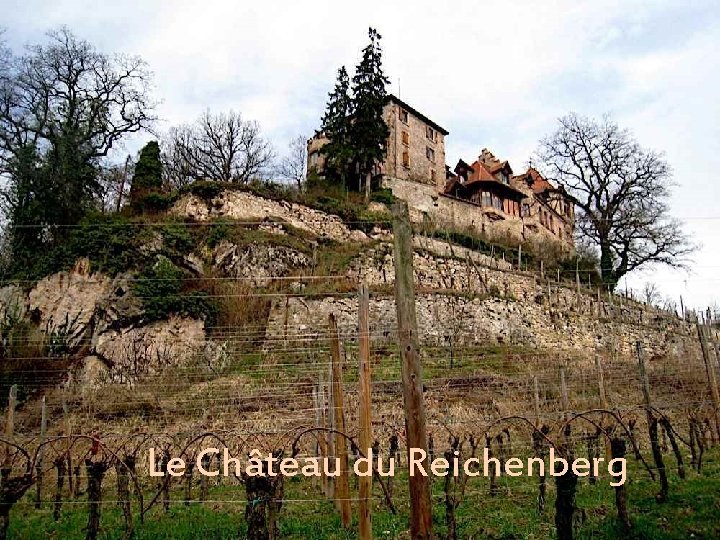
(217, 232)
(384, 196)
(161, 290)
(154, 202)
(206, 189)
(177, 237)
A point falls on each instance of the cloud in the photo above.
(496, 74)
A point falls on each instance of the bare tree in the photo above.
(177, 156)
(63, 107)
(114, 180)
(221, 147)
(621, 190)
(293, 166)
(651, 294)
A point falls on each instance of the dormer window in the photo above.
(403, 115)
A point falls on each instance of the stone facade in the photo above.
(415, 147)
(428, 206)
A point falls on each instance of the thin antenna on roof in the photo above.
(399, 93)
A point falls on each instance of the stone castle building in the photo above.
(484, 197)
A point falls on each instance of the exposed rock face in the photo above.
(78, 305)
(66, 303)
(246, 206)
(13, 303)
(133, 352)
(92, 313)
(256, 264)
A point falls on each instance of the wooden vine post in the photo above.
(41, 453)
(536, 399)
(601, 382)
(342, 487)
(10, 426)
(652, 425)
(365, 482)
(411, 367)
(710, 373)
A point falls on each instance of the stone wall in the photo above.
(471, 303)
(426, 204)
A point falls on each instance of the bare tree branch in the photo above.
(293, 166)
(621, 190)
(221, 147)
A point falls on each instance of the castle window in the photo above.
(405, 138)
(406, 159)
(430, 133)
(525, 210)
(430, 153)
(403, 115)
(432, 174)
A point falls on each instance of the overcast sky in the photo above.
(494, 74)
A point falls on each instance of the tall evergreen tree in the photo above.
(368, 131)
(148, 172)
(336, 126)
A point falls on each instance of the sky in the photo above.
(495, 74)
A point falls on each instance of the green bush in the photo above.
(384, 196)
(154, 202)
(206, 189)
(218, 231)
(178, 238)
(161, 290)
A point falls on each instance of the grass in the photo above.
(692, 511)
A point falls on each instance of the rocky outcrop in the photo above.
(77, 305)
(65, 303)
(244, 206)
(99, 319)
(130, 353)
(13, 304)
(257, 264)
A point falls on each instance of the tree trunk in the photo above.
(258, 490)
(676, 450)
(657, 456)
(123, 490)
(606, 266)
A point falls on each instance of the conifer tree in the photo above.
(148, 172)
(368, 131)
(336, 125)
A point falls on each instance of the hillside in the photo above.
(212, 316)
